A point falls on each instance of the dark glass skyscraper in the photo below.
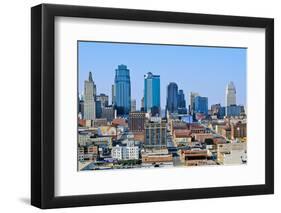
(172, 98)
(181, 103)
(122, 90)
(98, 109)
(151, 92)
(181, 99)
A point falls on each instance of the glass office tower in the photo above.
(172, 98)
(201, 105)
(122, 90)
(151, 92)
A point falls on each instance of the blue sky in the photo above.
(205, 70)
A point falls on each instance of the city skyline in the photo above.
(118, 134)
(210, 72)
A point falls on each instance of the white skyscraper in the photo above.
(230, 94)
(89, 99)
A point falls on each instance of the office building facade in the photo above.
(108, 113)
(89, 98)
(230, 94)
(112, 94)
(181, 99)
(221, 113)
(133, 105)
(81, 105)
(136, 121)
(151, 92)
(122, 90)
(155, 134)
(181, 103)
(172, 98)
(192, 96)
(234, 110)
(103, 98)
(98, 109)
(201, 105)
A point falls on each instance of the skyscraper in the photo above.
(192, 96)
(81, 105)
(172, 98)
(112, 94)
(151, 92)
(108, 113)
(221, 113)
(103, 98)
(218, 110)
(142, 104)
(122, 90)
(89, 98)
(201, 105)
(98, 108)
(215, 109)
(181, 103)
(181, 99)
(230, 94)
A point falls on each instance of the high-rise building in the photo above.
(142, 104)
(192, 96)
(215, 109)
(122, 90)
(101, 102)
(181, 99)
(81, 105)
(218, 110)
(230, 94)
(98, 109)
(136, 121)
(172, 98)
(234, 110)
(181, 103)
(108, 113)
(155, 134)
(133, 105)
(89, 98)
(103, 98)
(221, 113)
(201, 105)
(112, 94)
(182, 111)
(151, 92)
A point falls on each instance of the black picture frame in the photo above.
(43, 105)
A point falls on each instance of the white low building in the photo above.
(125, 152)
(130, 153)
(232, 153)
(116, 152)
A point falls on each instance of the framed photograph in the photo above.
(136, 106)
